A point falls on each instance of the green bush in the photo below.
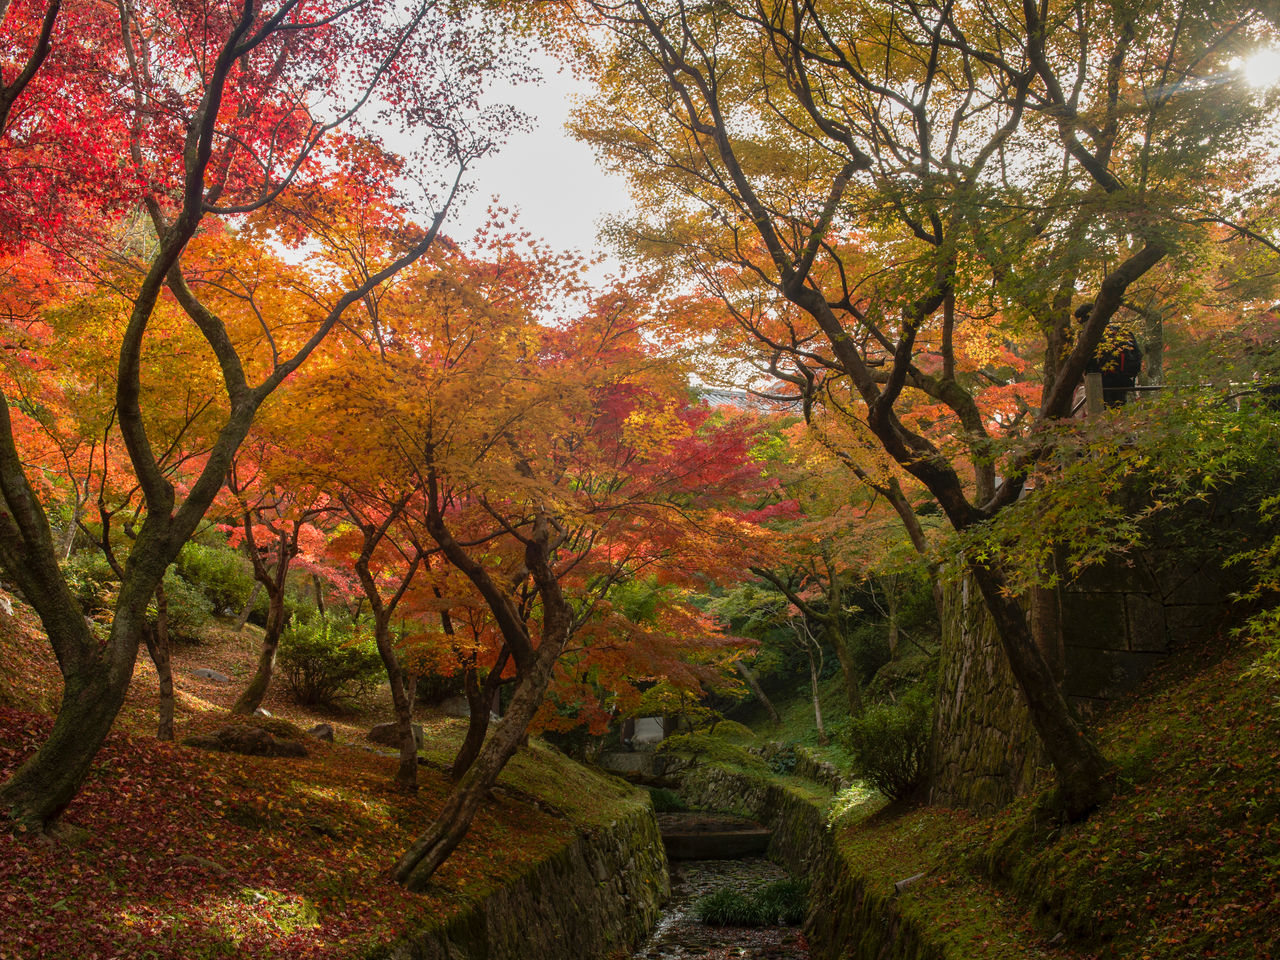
(188, 611)
(667, 801)
(92, 581)
(728, 908)
(781, 902)
(222, 574)
(890, 743)
(323, 663)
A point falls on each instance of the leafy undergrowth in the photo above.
(797, 726)
(171, 852)
(1183, 863)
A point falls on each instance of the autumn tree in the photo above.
(552, 462)
(879, 191)
(276, 526)
(228, 115)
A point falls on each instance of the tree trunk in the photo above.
(848, 669)
(256, 691)
(482, 700)
(891, 598)
(478, 699)
(817, 700)
(73, 525)
(407, 773)
(319, 588)
(832, 629)
(94, 688)
(434, 846)
(157, 639)
(248, 606)
(1046, 629)
(1083, 774)
(757, 691)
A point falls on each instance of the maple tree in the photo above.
(277, 526)
(231, 115)
(886, 196)
(545, 464)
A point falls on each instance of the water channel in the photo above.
(679, 935)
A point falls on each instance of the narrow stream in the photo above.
(679, 934)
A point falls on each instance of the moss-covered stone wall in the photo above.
(846, 921)
(597, 896)
(1120, 621)
(984, 747)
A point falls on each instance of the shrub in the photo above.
(728, 908)
(890, 743)
(324, 663)
(91, 580)
(187, 610)
(781, 902)
(221, 574)
(667, 801)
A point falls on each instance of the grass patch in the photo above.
(780, 903)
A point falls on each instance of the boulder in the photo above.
(241, 738)
(321, 731)
(262, 712)
(455, 707)
(385, 733)
(204, 673)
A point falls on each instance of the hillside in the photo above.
(171, 852)
(1184, 862)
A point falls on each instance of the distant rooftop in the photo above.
(743, 400)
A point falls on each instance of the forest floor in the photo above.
(171, 853)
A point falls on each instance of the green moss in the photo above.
(703, 747)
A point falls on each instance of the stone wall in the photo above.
(845, 921)
(984, 748)
(1120, 620)
(597, 896)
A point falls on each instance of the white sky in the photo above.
(547, 175)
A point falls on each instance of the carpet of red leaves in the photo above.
(171, 853)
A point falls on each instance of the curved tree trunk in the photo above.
(753, 684)
(253, 694)
(248, 606)
(1082, 771)
(479, 701)
(848, 669)
(407, 773)
(157, 639)
(434, 846)
(95, 684)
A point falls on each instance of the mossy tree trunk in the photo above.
(479, 705)
(157, 639)
(273, 579)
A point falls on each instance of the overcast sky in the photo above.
(551, 178)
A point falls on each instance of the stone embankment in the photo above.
(598, 896)
(679, 935)
(846, 920)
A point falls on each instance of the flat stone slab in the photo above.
(204, 673)
(701, 836)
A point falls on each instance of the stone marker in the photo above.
(204, 673)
